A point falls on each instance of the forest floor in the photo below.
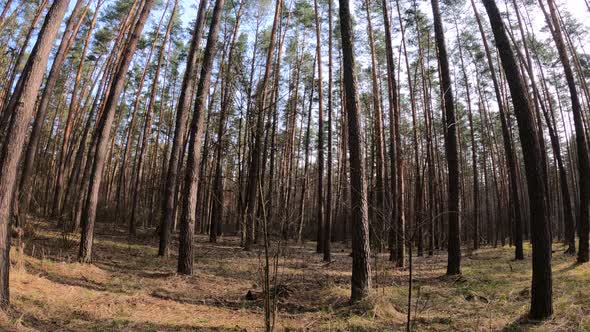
(128, 288)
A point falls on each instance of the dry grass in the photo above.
(128, 288)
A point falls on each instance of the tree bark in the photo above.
(379, 188)
(187, 217)
(148, 121)
(361, 251)
(581, 139)
(396, 236)
(320, 161)
(22, 106)
(454, 187)
(25, 189)
(328, 210)
(102, 134)
(182, 113)
(253, 176)
(514, 199)
(541, 289)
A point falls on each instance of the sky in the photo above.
(576, 7)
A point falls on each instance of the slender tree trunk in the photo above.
(475, 214)
(541, 289)
(148, 121)
(379, 187)
(417, 220)
(306, 153)
(227, 94)
(21, 106)
(454, 240)
(182, 114)
(29, 161)
(581, 140)
(514, 199)
(396, 236)
(5, 10)
(73, 109)
(253, 172)
(361, 251)
(187, 217)
(328, 210)
(568, 216)
(320, 160)
(17, 64)
(102, 134)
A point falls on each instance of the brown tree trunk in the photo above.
(581, 140)
(379, 188)
(63, 161)
(328, 210)
(568, 216)
(416, 229)
(306, 163)
(396, 236)
(320, 161)
(25, 189)
(187, 217)
(22, 107)
(541, 289)
(475, 212)
(361, 251)
(227, 95)
(253, 176)
(514, 199)
(17, 64)
(454, 241)
(182, 115)
(148, 121)
(5, 10)
(102, 134)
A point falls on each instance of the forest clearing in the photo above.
(129, 289)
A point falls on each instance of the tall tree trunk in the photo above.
(73, 109)
(475, 213)
(253, 172)
(454, 240)
(320, 161)
(25, 189)
(182, 115)
(361, 251)
(426, 93)
(22, 106)
(306, 153)
(148, 121)
(7, 5)
(396, 236)
(17, 64)
(227, 95)
(568, 216)
(102, 134)
(187, 217)
(379, 187)
(328, 210)
(581, 140)
(541, 289)
(514, 199)
(417, 220)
